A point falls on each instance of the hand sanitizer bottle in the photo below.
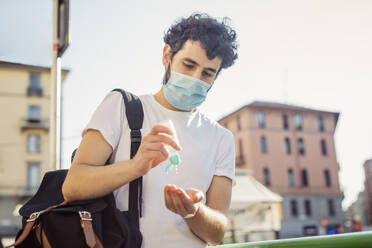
(174, 159)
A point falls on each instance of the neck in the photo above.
(160, 98)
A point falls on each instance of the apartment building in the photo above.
(24, 136)
(291, 150)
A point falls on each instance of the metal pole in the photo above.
(55, 98)
(58, 113)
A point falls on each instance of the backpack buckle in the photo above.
(33, 217)
(135, 136)
(85, 215)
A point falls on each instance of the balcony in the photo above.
(34, 91)
(348, 240)
(34, 123)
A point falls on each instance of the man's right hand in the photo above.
(152, 149)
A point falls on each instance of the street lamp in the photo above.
(60, 44)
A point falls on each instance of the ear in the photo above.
(167, 50)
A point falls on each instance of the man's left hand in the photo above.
(183, 202)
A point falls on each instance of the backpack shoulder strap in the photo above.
(134, 114)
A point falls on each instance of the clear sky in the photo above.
(313, 53)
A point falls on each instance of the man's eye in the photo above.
(189, 66)
(206, 74)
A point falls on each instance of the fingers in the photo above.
(178, 201)
(156, 147)
(152, 150)
(178, 204)
(160, 129)
(186, 201)
(153, 153)
(161, 139)
(168, 199)
(155, 157)
(195, 195)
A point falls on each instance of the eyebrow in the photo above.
(195, 63)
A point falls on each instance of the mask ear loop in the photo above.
(214, 81)
(165, 80)
(210, 87)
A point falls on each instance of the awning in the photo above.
(254, 208)
(248, 191)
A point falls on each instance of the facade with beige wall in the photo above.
(291, 150)
(24, 135)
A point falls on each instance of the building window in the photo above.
(308, 210)
(331, 207)
(34, 113)
(301, 146)
(320, 124)
(261, 119)
(323, 147)
(298, 121)
(35, 80)
(291, 181)
(327, 178)
(287, 144)
(266, 178)
(285, 122)
(34, 86)
(304, 178)
(33, 143)
(238, 123)
(263, 145)
(33, 175)
(294, 210)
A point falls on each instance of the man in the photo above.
(183, 209)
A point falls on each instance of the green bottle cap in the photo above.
(174, 160)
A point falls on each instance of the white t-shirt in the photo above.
(207, 150)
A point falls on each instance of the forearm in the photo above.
(88, 182)
(208, 224)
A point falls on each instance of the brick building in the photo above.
(291, 150)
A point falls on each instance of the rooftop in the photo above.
(29, 67)
(279, 106)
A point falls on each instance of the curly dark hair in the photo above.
(217, 38)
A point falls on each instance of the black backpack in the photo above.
(49, 221)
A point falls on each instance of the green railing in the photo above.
(348, 240)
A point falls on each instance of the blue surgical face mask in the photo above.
(185, 92)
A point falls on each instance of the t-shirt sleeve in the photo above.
(226, 157)
(108, 117)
